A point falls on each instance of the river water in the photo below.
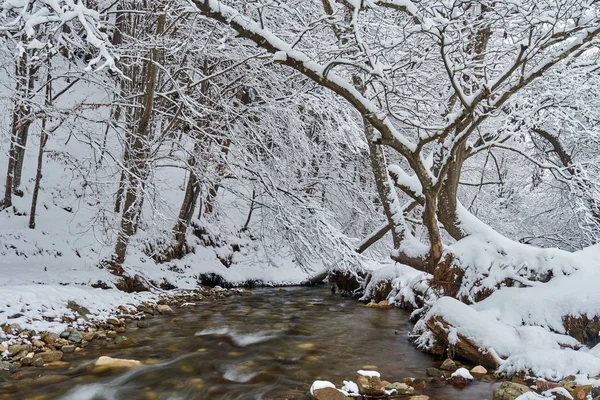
(269, 345)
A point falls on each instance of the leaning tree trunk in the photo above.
(139, 151)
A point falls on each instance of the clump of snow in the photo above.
(462, 373)
(370, 374)
(409, 286)
(320, 385)
(350, 387)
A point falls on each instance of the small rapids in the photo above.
(270, 345)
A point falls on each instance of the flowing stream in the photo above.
(269, 345)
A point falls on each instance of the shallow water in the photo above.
(269, 345)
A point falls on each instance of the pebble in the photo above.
(142, 324)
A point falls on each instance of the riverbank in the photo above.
(71, 326)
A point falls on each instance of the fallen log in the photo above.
(463, 346)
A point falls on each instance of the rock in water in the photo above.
(434, 373)
(461, 377)
(164, 309)
(50, 355)
(369, 383)
(479, 370)
(329, 393)
(109, 362)
(448, 365)
(509, 391)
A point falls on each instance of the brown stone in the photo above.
(49, 356)
(543, 385)
(418, 384)
(329, 393)
(142, 324)
(369, 385)
(48, 340)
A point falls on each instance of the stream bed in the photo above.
(269, 345)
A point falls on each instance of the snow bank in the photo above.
(523, 327)
(408, 285)
(41, 307)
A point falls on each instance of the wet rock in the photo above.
(111, 334)
(123, 340)
(419, 397)
(120, 329)
(479, 370)
(28, 359)
(38, 362)
(142, 324)
(145, 308)
(50, 355)
(88, 337)
(105, 362)
(434, 373)
(369, 383)
(461, 377)
(419, 384)
(75, 336)
(401, 388)
(329, 393)
(509, 391)
(113, 321)
(448, 365)
(164, 309)
(14, 349)
(69, 348)
(7, 366)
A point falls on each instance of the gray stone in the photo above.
(434, 373)
(509, 391)
(401, 388)
(75, 336)
(448, 365)
(69, 348)
(65, 334)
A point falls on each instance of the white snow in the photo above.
(463, 373)
(350, 387)
(370, 374)
(320, 385)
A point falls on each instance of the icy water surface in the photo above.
(269, 345)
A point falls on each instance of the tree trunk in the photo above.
(186, 212)
(18, 123)
(40, 160)
(448, 196)
(435, 239)
(139, 151)
(23, 131)
(386, 192)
